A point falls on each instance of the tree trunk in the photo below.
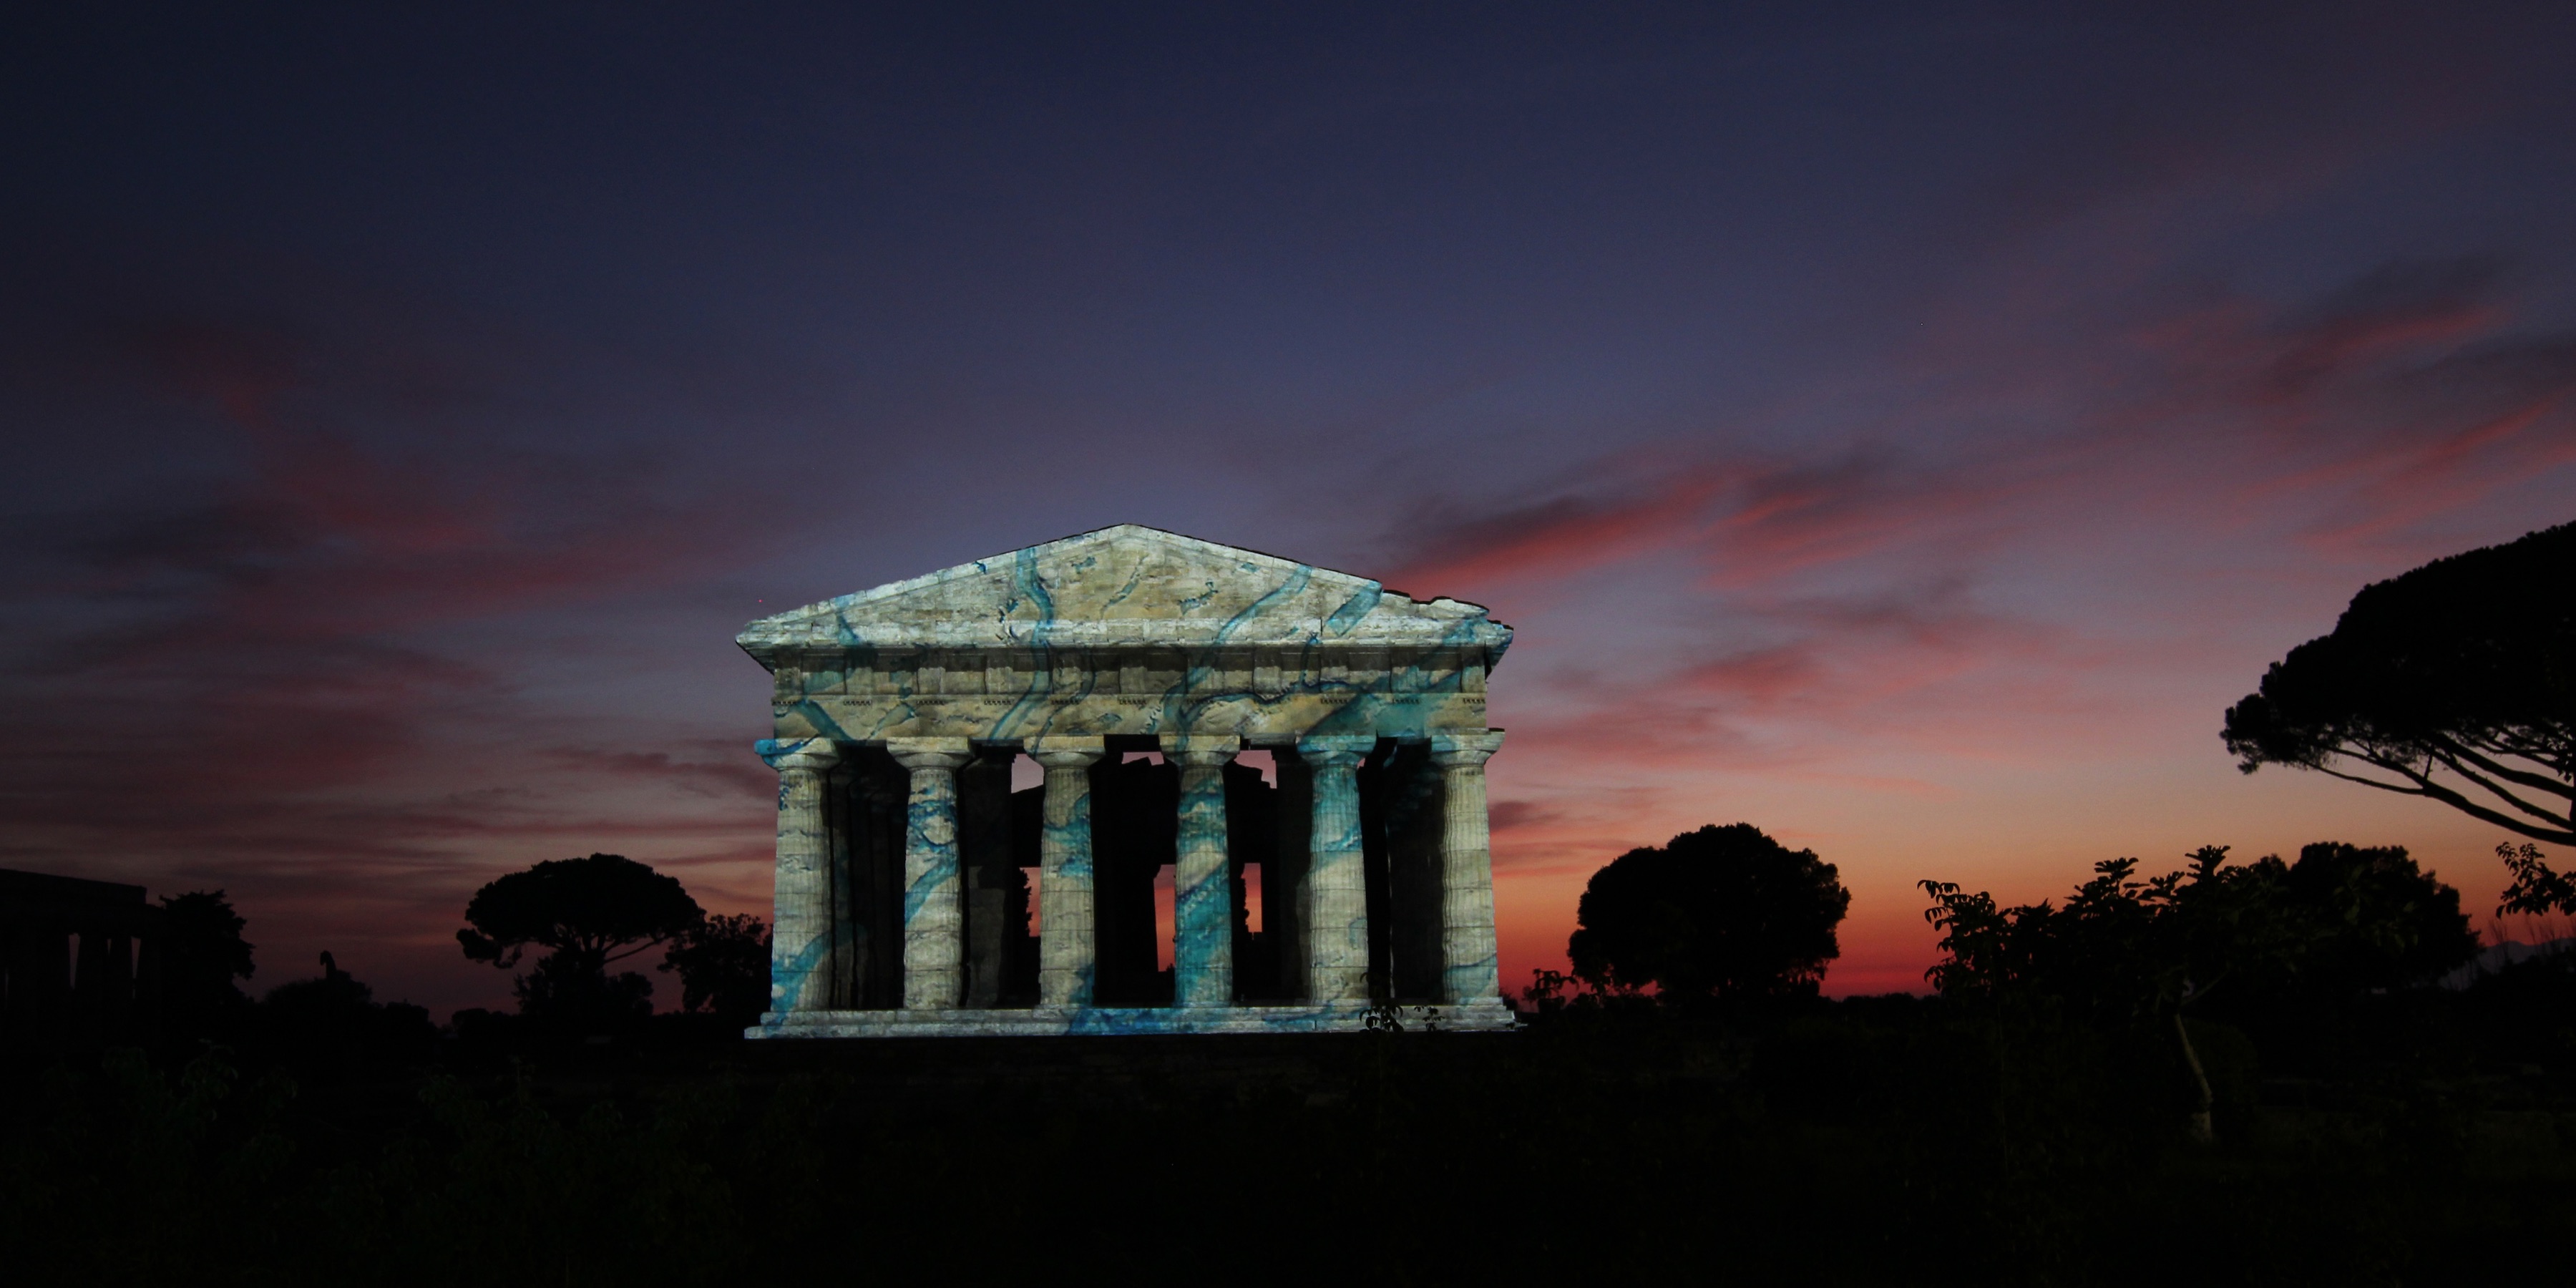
(2202, 1130)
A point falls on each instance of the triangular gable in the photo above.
(1123, 585)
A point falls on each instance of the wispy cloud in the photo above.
(254, 682)
(2005, 565)
(1560, 535)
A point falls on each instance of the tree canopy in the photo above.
(335, 1017)
(2536, 890)
(2124, 949)
(588, 913)
(597, 910)
(2372, 919)
(2341, 921)
(2455, 682)
(1723, 911)
(723, 967)
(203, 953)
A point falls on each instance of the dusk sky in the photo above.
(1905, 429)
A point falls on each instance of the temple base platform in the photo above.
(1351, 1017)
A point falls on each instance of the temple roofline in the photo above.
(1355, 611)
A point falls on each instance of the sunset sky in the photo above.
(1906, 430)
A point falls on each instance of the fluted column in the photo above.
(1336, 895)
(1065, 945)
(1202, 879)
(934, 910)
(1468, 960)
(801, 920)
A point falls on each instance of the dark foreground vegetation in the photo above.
(2416, 1137)
(2234, 1073)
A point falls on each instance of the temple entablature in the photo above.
(1127, 630)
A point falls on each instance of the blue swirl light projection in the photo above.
(1123, 639)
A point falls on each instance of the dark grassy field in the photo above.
(1876, 1141)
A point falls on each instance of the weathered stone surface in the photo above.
(1336, 888)
(1202, 904)
(800, 932)
(1047, 1021)
(1127, 630)
(934, 912)
(1064, 852)
(897, 711)
(1468, 966)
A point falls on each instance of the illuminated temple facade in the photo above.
(1133, 667)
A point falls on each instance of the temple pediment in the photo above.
(1127, 630)
(1127, 585)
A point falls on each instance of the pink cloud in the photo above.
(1854, 636)
(1518, 816)
(243, 691)
(1562, 536)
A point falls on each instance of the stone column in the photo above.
(1336, 894)
(1202, 881)
(1065, 947)
(1468, 967)
(800, 950)
(934, 908)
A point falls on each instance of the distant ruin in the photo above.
(79, 960)
(905, 858)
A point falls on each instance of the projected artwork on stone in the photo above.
(909, 869)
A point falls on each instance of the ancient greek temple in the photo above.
(1138, 670)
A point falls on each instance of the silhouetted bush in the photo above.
(335, 1021)
(203, 954)
(724, 968)
(1722, 912)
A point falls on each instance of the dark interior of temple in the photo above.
(77, 958)
(1135, 800)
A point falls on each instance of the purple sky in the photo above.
(1905, 432)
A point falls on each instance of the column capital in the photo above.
(930, 753)
(1200, 749)
(797, 753)
(1336, 749)
(1465, 750)
(1065, 752)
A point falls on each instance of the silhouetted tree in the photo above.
(588, 913)
(202, 954)
(724, 967)
(336, 992)
(2535, 890)
(2342, 920)
(2455, 682)
(336, 1016)
(1723, 911)
(2121, 946)
(2122, 949)
(2369, 918)
(568, 989)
